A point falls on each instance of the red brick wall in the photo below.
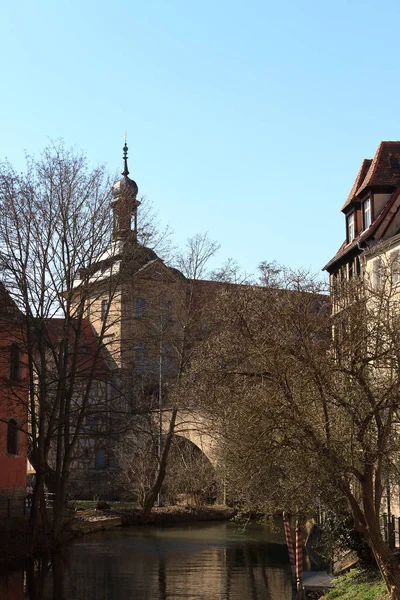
(13, 405)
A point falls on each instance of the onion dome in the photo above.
(125, 184)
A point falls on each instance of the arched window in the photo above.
(12, 437)
(104, 309)
(15, 362)
(140, 308)
(100, 458)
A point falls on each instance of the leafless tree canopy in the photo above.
(55, 223)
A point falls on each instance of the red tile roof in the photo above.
(382, 170)
(366, 163)
(90, 359)
(367, 234)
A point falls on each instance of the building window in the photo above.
(351, 269)
(367, 213)
(139, 354)
(359, 267)
(395, 263)
(343, 274)
(140, 307)
(335, 282)
(12, 437)
(100, 458)
(104, 309)
(376, 273)
(350, 228)
(15, 363)
(91, 420)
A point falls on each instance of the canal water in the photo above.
(199, 561)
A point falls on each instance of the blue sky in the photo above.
(248, 120)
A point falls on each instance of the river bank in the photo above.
(358, 584)
(96, 520)
(15, 536)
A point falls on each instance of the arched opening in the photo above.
(12, 437)
(191, 478)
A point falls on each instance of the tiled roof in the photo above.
(90, 360)
(366, 163)
(367, 234)
(382, 170)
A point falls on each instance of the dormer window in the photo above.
(350, 228)
(367, 213)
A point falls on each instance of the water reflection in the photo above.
(12, 585)
(194, 562)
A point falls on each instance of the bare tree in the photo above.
(55, 224)
(193, 260)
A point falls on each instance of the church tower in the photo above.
(125, 204)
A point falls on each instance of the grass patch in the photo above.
(91, 505)
(359, 585)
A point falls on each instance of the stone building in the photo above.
(146, 314)
(372, 222)
(367, 266)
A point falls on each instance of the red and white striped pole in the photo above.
(288, 536)
(299, 561)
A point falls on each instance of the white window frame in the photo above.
(367, 214)
(351, 227)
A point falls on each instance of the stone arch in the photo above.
(195, 428)
(191, 476)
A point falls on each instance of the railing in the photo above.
(18, 507)
(390, 528)
(49, 498)
(13, 507)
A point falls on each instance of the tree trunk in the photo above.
(386, 560)
(388, 566)
(162, 469)
(39, 523)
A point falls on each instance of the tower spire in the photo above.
(125, 203)
(125, 172)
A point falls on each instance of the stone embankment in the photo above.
(15, 542)
(95, 520)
